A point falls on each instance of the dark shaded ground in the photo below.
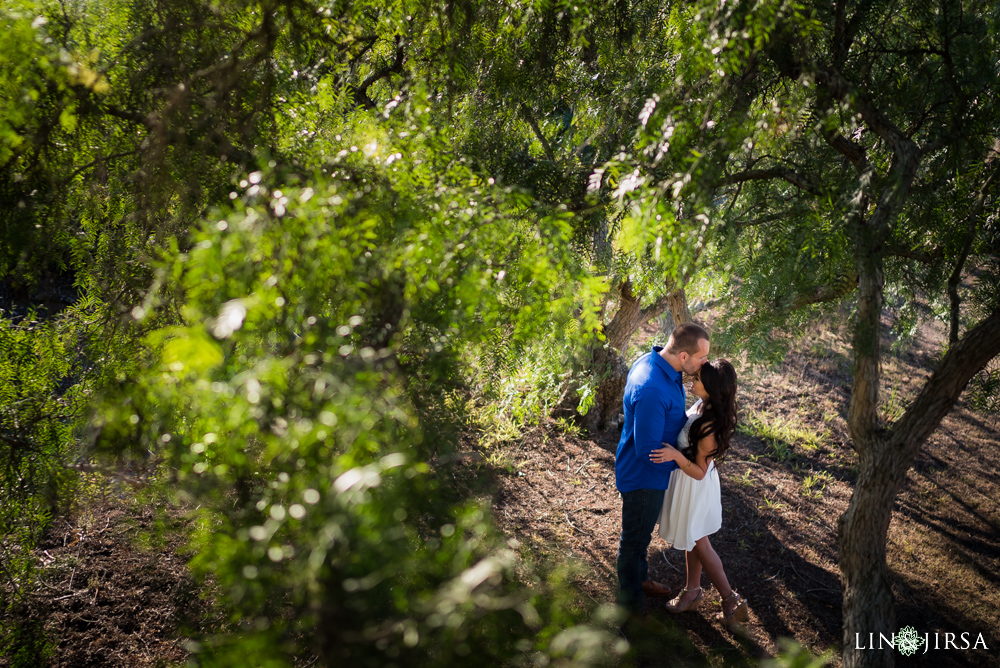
(105, 600)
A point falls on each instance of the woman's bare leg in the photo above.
(693, 570)
(709, 560)
(693, 584)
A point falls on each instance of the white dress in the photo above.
(691, 508)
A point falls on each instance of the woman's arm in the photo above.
(696, 469)
(669, 453)
(706, 446)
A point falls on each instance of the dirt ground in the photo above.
(787, 480)
(116, 592)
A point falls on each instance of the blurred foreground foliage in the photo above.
(273, 292)
(324, 323)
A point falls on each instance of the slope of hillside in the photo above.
(115, 591)
(787, 480)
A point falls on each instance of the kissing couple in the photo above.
(665, 470)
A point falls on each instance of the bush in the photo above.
(38, 411)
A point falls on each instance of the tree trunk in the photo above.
(626, 322)
(868, 603)
(608, 363)
(612, 371)
(677, 305)
(886, 455)
(887, 451)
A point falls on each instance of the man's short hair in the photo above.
(685, 338)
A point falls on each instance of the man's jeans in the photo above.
(640, 510)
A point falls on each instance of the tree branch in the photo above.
(16, 441)
(822, 294)
(361, 98)
(924, 257)
(127, 115)
(369, 41)
(846, 31)
(910, 52)
(964, 359)
(79, 170)
(841, 89)
(656, 309)
(839, 32)
(956, 274)
(789, 175)
(936, 145)
(852, 151)
(674, 300)
(530, 118)
(762, 220)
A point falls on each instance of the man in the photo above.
(654, 414)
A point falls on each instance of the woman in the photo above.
(692, 504)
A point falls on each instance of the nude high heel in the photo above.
(677, 605)
(740, 613)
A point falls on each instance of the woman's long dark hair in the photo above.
(719, 415)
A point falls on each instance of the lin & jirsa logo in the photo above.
(908, 641)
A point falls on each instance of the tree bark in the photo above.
(677, 304)
(677, 312)
(612, 372)
(868, 605)
(626, 322)
(964, 360)
(608, 363)
(868, 602)
(867, 343)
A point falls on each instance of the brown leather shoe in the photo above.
(635, 621)
(653, 588)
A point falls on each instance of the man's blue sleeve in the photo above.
(650, 411)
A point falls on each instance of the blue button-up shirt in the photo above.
(654, 414)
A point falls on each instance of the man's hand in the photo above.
(667, 453)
